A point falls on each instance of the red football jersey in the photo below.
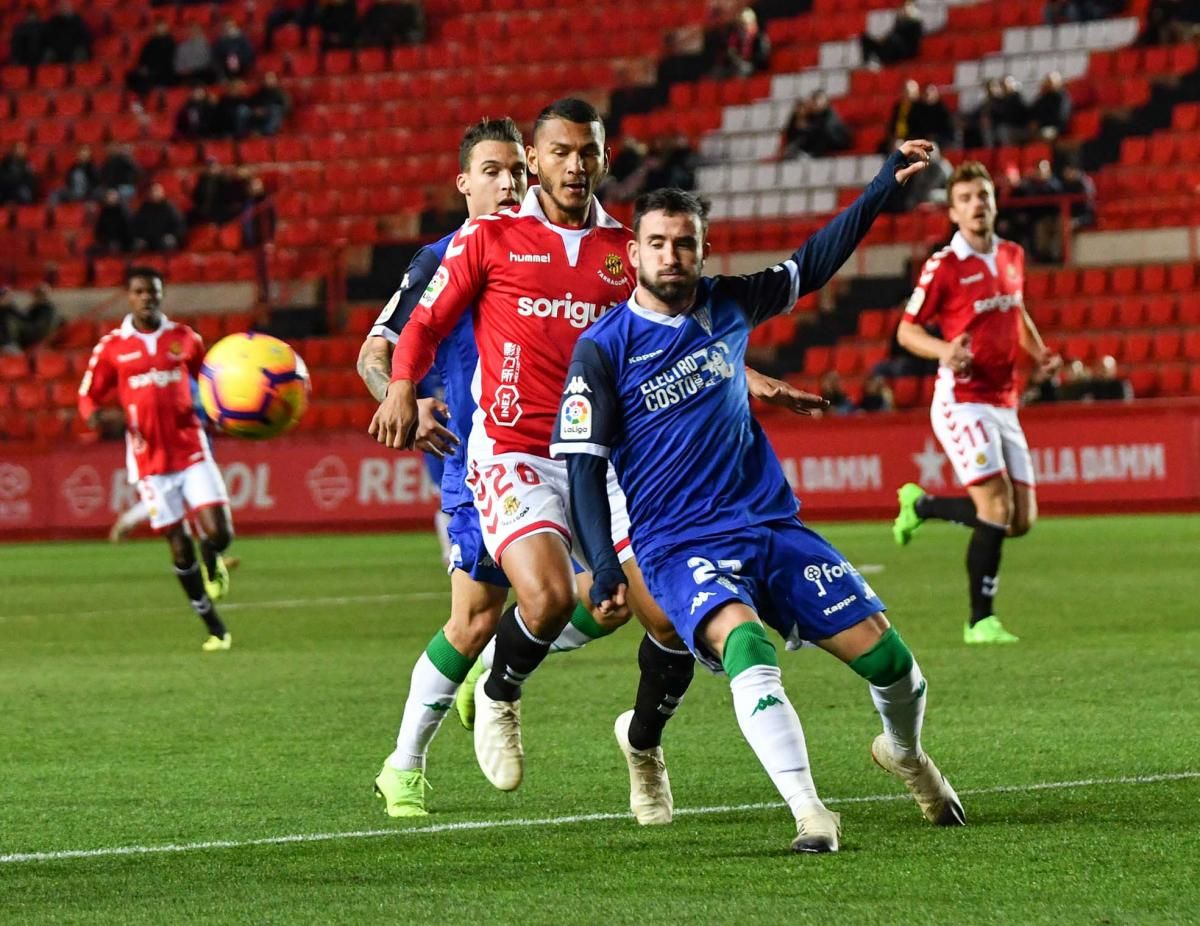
(536, 287)
(151, 374)
(983, 295)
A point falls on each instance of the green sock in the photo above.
(581, 631)
(446, 659)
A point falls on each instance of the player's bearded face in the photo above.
(570, 162)
(670, 257)
(973, 206)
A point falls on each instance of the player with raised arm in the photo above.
(147, 365)
(660, 396)
(973, 289)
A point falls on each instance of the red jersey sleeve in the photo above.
(454, 287)
(99, 380)
(195, 354)
(925, 302)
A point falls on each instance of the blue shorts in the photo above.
(467, 551)
(793, 578)
(434, 465)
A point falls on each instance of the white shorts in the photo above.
(981, 440)
(519, 494)
(171, 496)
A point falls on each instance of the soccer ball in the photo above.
(253, 386)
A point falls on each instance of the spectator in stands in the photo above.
(815, 129)
(235, 195)
(120, 171)
(1042, 219)
(930, 117)
(197, 117)
(301, 12)
(393, 22)
(338, 20)
(1169, 22)
(207, 193)
(269, 105)
(156, 62)
(898, 122)
(1010, 116)
(627, 173)
(1073, 181)
(929, 186)
(258, 219)
(18, 180)
(232, 52)
(747, 48)
(901, 43)
(1107, 384)
(234, 111)
(1042, 387)
(832, 392)
(157, 224)
(26, 45)
(112, 234)
(193, 59)
(876, 395)
(66, 36)
(82, 180)
(670, 163)
(1051, 110)
(1075, 383)
(22, 329)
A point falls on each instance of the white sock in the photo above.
(136, 515)
(430, 698)
(441, 526)
(772, 728)
(570, 638)
(488, 654)
(902, 707)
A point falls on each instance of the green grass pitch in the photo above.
(117, 732)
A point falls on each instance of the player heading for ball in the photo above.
(657, 388)
(973, 289)
(148, 365)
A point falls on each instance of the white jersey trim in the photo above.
(596, 450)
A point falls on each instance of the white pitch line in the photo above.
(460, 826)
(334, 601)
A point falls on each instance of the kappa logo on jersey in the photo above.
(516, 258)
(156, 377)
(436, 285)
(639, 358)
(699, 600)
(577, 386)
(579, 314)
(576, 418)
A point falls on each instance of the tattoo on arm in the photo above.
(377, 374)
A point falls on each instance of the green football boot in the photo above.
(464, 701)
(988, 630)
(403, 792)
(217, 584)
(907, 521)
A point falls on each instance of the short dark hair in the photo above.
(148, 273)
(965, 173)
(504, 130)
(672, 201)
(569, 109)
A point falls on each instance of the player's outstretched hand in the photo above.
(957, 354)
(396, 418)
(1048, 361)
(433, 436)
(784, 395)
(917, 152)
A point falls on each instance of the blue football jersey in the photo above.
(453, 369)
(665, 397)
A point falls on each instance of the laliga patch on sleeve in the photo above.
(436, 285)
(576, 419)
(390, 309)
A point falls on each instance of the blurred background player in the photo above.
(147, 365)
(973, 289)
(718, 534)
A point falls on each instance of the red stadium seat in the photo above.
(1168, 346)
(817, 360)
(1173, 380)
(1137, 348)
(1144, 381)
(1160, 311)
(14, 366)
(1191, 346)
(29, 395)
(51, 365)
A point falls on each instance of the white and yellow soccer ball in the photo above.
(253, 386)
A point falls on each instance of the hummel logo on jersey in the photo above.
(973, 278)
(700, 598)
(577, 386)
(515, 258)
(764, 703)
(125, 358)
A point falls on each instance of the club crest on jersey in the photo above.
(436, 285)
(614, 270)
(576, 418)
(1011, 272)
(175, 350)
(512, 509)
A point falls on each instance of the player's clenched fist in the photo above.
(916, 151)
(395, 420)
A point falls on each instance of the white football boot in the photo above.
(650, 797)
(498, 746)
